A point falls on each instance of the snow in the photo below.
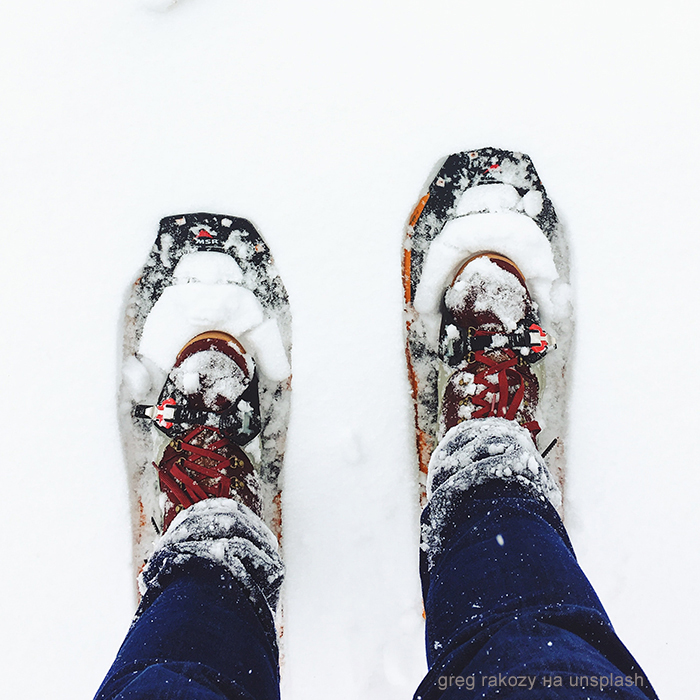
(205, 297)
(265, 342)
(207, 267)
(508, 233)
(488, 447)
(222, 531)
(223, 377)
(492, 288)
(498, 197)
(321, 122)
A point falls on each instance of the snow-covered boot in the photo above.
(209, 409)
(491, 348)
(490, 340)
(485, 271)
(211, 494)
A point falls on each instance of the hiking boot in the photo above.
(209, 408)
(490, 340)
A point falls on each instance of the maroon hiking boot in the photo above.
(209, 408)
(489, 341)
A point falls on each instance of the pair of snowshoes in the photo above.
(204, 399)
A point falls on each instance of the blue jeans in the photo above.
(509, 613)
(200, 638)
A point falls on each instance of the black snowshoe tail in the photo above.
(452, 195)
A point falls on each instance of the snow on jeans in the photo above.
(509, 613)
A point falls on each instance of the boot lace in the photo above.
(497, 378)
(195, 467)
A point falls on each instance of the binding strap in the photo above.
(172, 416)
(529, 339)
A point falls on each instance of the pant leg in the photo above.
(508, 609)
(200, 638)
(205, 626)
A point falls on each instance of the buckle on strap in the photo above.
(539, 339)
(163, 414)
(241, 423)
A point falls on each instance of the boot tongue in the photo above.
(488, 294)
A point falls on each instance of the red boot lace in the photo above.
(190, 473)
(506, 376)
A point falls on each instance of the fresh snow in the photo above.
(469, 442)
(493, 288)
(223, 377)
(516, 236)
(321, 122)
(205, 295)
(499, 197)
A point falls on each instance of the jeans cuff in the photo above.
(474, 453)
(218, 533)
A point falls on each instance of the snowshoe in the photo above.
(485, 226)
(206, 376)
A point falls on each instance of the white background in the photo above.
(321, 122)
